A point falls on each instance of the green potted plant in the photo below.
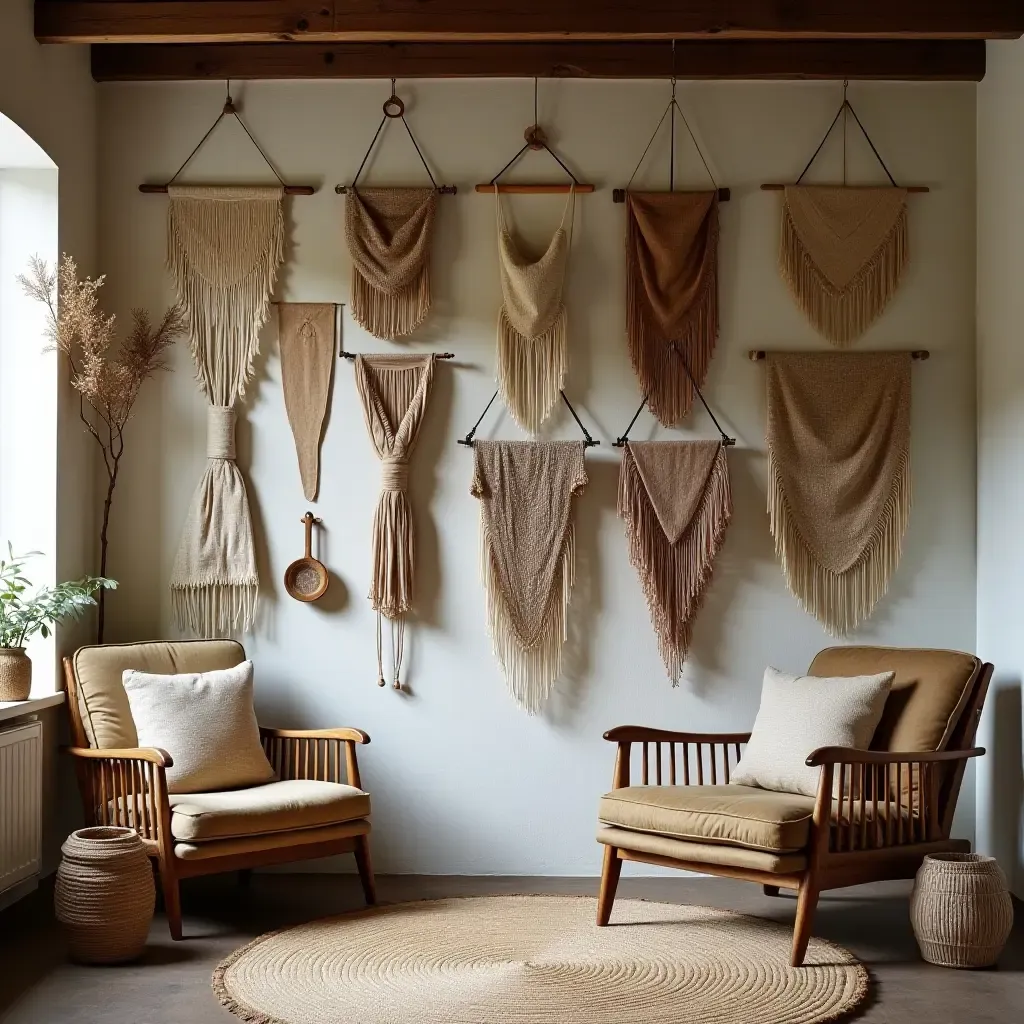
(22, 616)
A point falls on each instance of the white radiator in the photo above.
(21, 803)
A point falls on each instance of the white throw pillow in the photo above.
(797, 715)
(206, 722)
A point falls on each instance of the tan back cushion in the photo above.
(102, 702)
(927, 698)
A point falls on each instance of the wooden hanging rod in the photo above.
(437, 355)
(442, 190)
(558, 189)
(289, 190)
(775, 187)
(757, 354)
(619, 195)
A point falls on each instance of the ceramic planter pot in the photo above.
(15, 674)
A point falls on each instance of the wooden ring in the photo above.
(394, 107)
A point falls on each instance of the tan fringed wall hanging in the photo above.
(839, 477)
(844, 248)
(224, 247)
(306, 338)
(393, 390)
(389, 233)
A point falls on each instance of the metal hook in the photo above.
(229, 106)
(673, 69)
(393, 106)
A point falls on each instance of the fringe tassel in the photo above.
(840, 601)
(530, 671)
(674, 577)
(844, 315)
(531, 371)
(390, 315)
(214, 609)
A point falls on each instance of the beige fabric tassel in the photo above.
(528, 556)
(675, 500)
(224, 248)
(389, 233)
(839, 485)
(843, 254)
(393, 391)
(533, 356)
(306, 341)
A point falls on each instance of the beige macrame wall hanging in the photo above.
(844, 248)
(306, 339)
(839, 477)
(389, 233)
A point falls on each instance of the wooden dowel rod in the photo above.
(757, 354)
(289, 190)
(777, 187)
(619, 194)
(437, 355)
(441, 190)
(534, 189)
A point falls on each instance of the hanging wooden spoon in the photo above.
(306, 579)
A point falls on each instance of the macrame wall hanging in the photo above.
(527, 551)
(676, 503)
(844, 248)
(839, 477)
(225, 245)
(533, 354)
(671, 280)
(306, 339)
(389, 233)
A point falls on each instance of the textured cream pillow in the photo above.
(798, 714)
(206, 722)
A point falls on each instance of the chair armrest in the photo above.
(643, 734)
(154, 755)
(851, 755)
(693, 763)
(343, 733)
(315, 754)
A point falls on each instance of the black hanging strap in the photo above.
(588, 440)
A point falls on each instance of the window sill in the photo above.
(19, 708)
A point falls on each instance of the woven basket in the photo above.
(15, 674)
(960, 910)
(104, 895)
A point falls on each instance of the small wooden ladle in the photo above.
(306, 579)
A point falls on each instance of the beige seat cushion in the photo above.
(102, 702)
(291, 844)
(276, 807)
(755, 819)
(927, 696)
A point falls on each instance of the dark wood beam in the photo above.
(916, 60)
(220, 21)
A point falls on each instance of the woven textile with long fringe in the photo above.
(839, 477)
(528, 555)
(671, 294)
(675, 500)
(224, 248)
(533, 355)
(843, 254)
(389, 231)
(393, 391)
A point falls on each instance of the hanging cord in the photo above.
(468, 439)
(394, 108)
(847, 106)
(228, 108)
(588, 440)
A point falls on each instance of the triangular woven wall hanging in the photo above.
(389, 232)
(844, 247)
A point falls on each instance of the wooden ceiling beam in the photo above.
(222, 21)
(914, 60)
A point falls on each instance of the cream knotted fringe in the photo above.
(675, 500)
(533, 356)
(224, 248)
(843, 254)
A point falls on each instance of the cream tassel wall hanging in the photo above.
(839, 477)
(393, 390)
(224, 248)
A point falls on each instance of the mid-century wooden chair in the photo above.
(897, 804)
(316, 809)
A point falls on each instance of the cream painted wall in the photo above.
(1000, 798)
(463, 782)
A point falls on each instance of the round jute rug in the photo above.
(537, 960)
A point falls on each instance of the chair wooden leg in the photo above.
(172, 901)
(806, 902)
(771, 890)
(610, 871)
(365, 866)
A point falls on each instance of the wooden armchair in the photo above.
(317, 808)
(897, 804)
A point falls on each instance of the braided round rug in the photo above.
(537, 960)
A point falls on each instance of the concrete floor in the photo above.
(171, 984)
